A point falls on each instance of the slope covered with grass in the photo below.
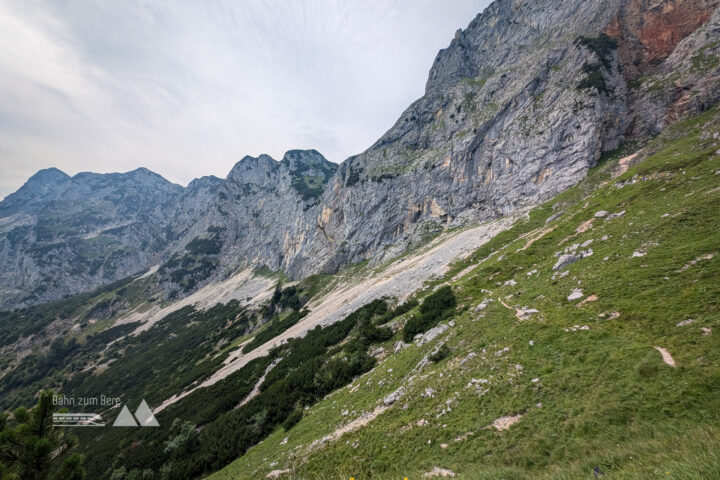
(554, 368)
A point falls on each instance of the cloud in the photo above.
(187, 88)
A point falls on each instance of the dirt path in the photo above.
(518, 312)
(624, 164)
(400, 279)
(256, 388)
(537, 237)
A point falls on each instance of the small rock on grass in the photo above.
(431, 334)
(503, 423)
(439, 472)
(468, 357)
(277, 473)
(575, 294)
(565, 260)
(394, 397)
(483, 305)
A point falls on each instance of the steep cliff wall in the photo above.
(518, 107)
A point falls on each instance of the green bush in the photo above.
(292, 419)
(441, 353)
(189, 270)
(397, 311)
(274, 329)
(603, 46)
(594, 79)
(204, 246)
(434, 308)
(353, 176)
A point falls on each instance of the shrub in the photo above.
(441, 353)
(397, 311)
(373, 334)
(353, 176)
(275, 329)
(594, 79)
(204, 246)
(603, 45)
(434, 308)
(292, 419)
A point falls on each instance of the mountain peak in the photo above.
(301, 153)
(252, 169)
(204, 182)
(49, 175)
(300, 159)
(46, 185)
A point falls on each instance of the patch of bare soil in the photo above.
(624, 163)
(589, 298)
(667, 358)
(585, 226)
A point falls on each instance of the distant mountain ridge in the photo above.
(517, 108)
(60, 235)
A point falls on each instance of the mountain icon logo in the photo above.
(143, 417)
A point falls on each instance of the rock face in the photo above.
(517, 108)
(651, 30)
(260, 214)
(60, 234)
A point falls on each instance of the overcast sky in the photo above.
(186, 88)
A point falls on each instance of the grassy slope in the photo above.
(603, 397)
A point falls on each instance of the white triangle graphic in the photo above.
(125, 419)
(145, 416)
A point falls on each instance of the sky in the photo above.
(187, 88)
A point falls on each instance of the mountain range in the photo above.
(516, 109)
